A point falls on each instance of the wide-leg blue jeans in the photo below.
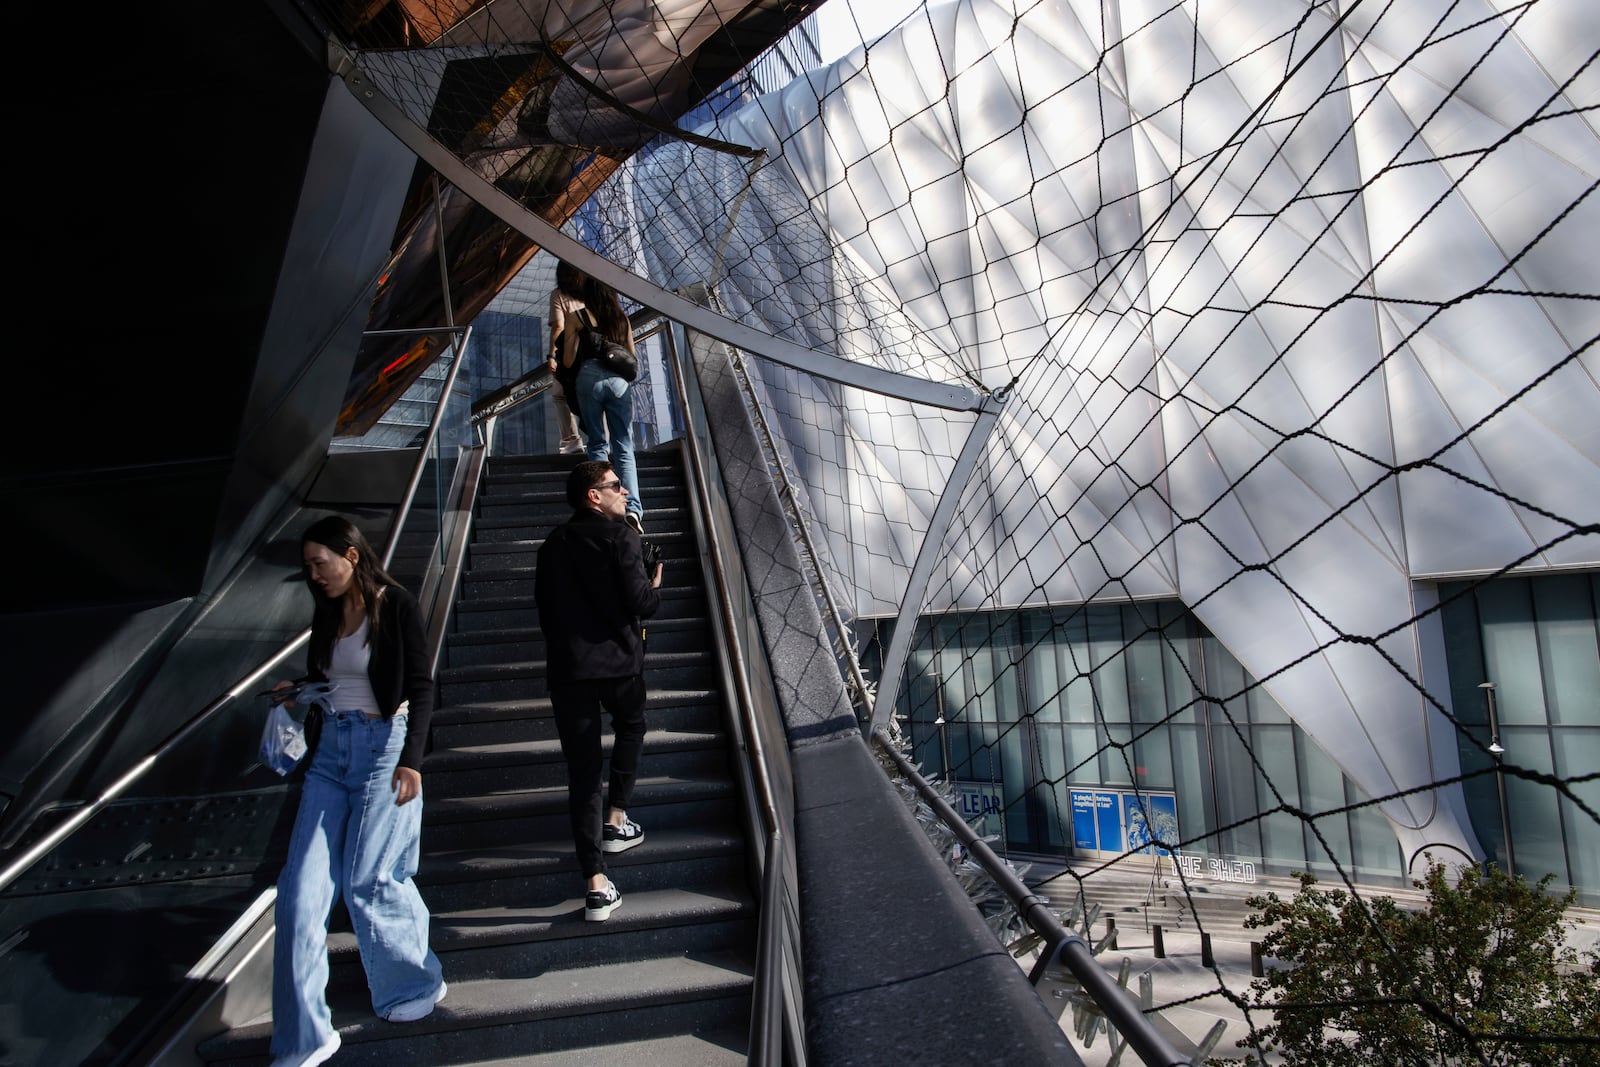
(607, 405)
(350, 838)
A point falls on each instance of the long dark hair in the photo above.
(338, 534)
(570, 279)
(601, 299)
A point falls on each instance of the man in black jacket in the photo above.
(593, 588)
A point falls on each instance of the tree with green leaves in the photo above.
(1481, 974)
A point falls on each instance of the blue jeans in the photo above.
(606, 402)
(350, 837)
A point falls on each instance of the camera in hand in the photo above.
(652, 555)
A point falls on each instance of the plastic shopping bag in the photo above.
(283, 740)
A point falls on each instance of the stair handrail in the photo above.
(70, 825)
(1062, 947)
(773, 1018)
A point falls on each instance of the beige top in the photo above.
(561, 305)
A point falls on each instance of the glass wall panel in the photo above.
(1147, 689)
(1375, 848)
(1043, 679)
(1105, 656)
(1180, 654)
(1153, 759)
(1322, 788)
(1537, 639)
(1278, 782)
(1016, 780)
(1082, 753)
(1192, 789)
(1578, 753)
(1079, 700)
(1235, 783)
(1569, 651)
(1040, 703)
(1511, 650)
(1535, 817)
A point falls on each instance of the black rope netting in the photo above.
(1290, 313)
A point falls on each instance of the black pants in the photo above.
(577, 712)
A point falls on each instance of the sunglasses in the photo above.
(603, 486)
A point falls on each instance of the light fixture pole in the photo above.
(938, 704)
(1496, 749)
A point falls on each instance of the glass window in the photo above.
(1277, 782)
(1537, 638)
(1578, 753)
(1152, 759)
(1042, 701)
(1373, 843)
(1535, 817)
(1322, 788)
(1147, 688)
(1569, 651)
(1110, 668)
(1511, 650)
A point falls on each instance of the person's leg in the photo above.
(591, 405)
(566, 421)
(617, 403)
(625, 701)
(577, 713)
(383, 846)
(307, 889)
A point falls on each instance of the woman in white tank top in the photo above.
(357, 833)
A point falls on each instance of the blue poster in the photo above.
(1118, 821)
(1149, 818)
(1083, 829)
(1109, 816)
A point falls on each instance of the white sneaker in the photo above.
(321, 1054)
(598, 904)
(412, 1010)
(571, 448)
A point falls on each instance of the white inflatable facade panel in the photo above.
(1267, 292)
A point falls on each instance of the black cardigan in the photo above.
(398, 669)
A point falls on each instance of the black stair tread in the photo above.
(527, 998)
(466, 757)
(537, 707)
(519, 802)
(514, 668)
(663, 517)
(441, 866)
(712, 1049)
(641, 909)
(670, 591)
(511, 634)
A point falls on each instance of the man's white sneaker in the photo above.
(600, 903)
(621, 838)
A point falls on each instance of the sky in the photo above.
(838, 29)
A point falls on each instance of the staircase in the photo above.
(667, 979)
